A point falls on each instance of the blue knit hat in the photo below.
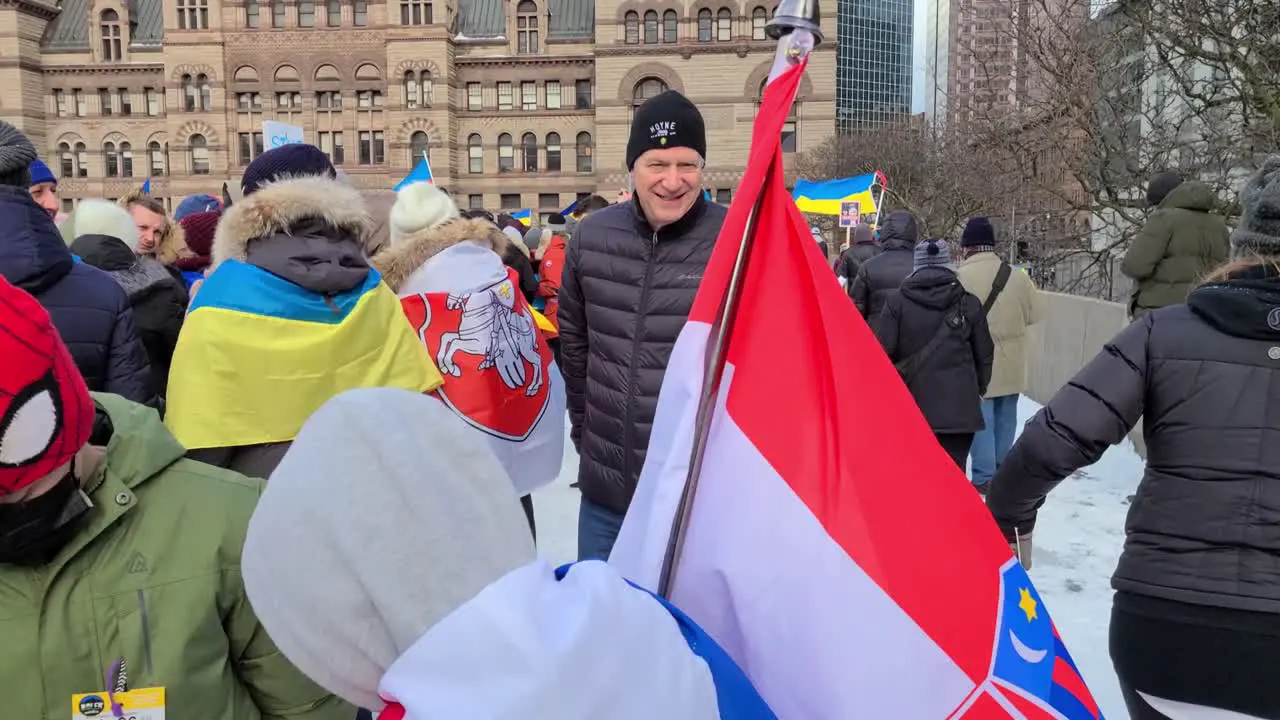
(40, 174)
(284, 162)
(196, 204)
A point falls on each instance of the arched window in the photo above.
(704, 25)
(585, 151)
(412, 98)
(112, 159)
(506, 154)
(110, 28)
(527, 27)
(724, 25)
(417, 147)
(333, 8)
(188, 93)
(156, 157)
(553, 152)
(66, 161)
(790, 138)
(529, 142)
(631, 27)
(670, 24)
(200, 164)
(306, 13)
(650, 27)
(277, 13)
(759, 17)
(206, 92)
(82, 160)
(475, 155)
(647, 88)
(126, 160)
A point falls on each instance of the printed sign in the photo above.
(277, 134)
(141, 704)
(850, 213)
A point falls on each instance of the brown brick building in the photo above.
(519, 103)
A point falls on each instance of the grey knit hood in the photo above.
(1259, 228)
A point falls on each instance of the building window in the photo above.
(250, 147)
(126, 160)
(475, 155)
(415, 12)
(670, 25)
(252, 14)
(418, 88)
(526, 27)
(704, 25)
(288, 107)
(126, 101)
(277, 13)
(509, 201)
(188, 93)
(66, 161)
(724, 196)
(631, 27)
(60, 102)
(372, 148)
(529, 143)
(369, 99)
(650, 27)
(474, 97)
(475, 202)
(528, 96)
(333, 11)
(584, 150)
(104, 101)
(156, 155)
(582, 95)
(759, 17)
(329, 100)
(645, 89)
(549, 201)
(553, 94)
(506, 99)
(193, 14)
(724, 25)
(506, 154)
(82, 160)
(199, 155)
(68, 205)
(306, 13)
(248, 102)
(418, 143)
(206, 92)
(78, 97)
(553, 152)
(331, 144)
(155, 101)
(110, 28)
(360, 13)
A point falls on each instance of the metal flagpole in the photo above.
(795, 27)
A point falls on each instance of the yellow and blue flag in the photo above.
(523, 216)
(258, 354)
(825, 197)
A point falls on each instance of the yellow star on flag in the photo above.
(1027, 604)
(505, 290)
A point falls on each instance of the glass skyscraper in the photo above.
(873, 62)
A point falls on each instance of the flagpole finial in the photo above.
(793, 15)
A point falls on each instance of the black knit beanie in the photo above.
(978, 232)
(284, 162)
(666, 120)
(1160, 185)
(1259, 228)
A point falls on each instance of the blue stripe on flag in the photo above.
(246, 288)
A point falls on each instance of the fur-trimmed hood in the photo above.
(172, 242)
(399, 262)
(278, 208)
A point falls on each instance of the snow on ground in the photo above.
(1077, 540)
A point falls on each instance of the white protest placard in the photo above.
(277, 134)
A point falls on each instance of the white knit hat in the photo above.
(418, 207)
(101, 217)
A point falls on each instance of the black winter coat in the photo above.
(852, 260)
(880, 277)
(949, 382)
(625, 295)
(87, 307)
(518, 261)
(159, 301)
(1204, 527)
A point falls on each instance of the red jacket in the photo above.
(550, 269)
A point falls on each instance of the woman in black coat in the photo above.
(936, 334)
(1196, 616)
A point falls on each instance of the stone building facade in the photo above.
(518, 103)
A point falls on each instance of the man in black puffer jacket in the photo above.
(630, 277)
(862, 249)
(88, 308)
(880, 276)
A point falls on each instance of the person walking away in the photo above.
(107, 238)
(1179, 244)
(881, 276)
(1013, 305)
(434, 258)
(89, 309)
(631, 273)
(44, 189)
(1196, 615)
(862, 249)
(120, 561)
(460, 618)
(290, 315)
(936, 335)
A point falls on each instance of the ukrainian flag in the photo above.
(258, 354)
(824, 198)
(524, 216)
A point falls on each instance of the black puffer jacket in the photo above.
(949, 382)
(87, 307)
(625, 295)
(1204, 527)
(159, 301)
(880, 276)
(864, 248)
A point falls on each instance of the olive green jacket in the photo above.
(153, 577)
(1179, 244)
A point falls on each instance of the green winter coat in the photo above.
(153, 576)
(1179, 244)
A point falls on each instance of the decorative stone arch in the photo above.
(327, 72)
(160, 136)
(70, 138)
(196, 127)
(427, 65)
(418, 124)
(639, 7)
(286, 73)
(193, 70)
(246, 73)
(757, 77)
(648, 70)
(368, 72)
(115, 136)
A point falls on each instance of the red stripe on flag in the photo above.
(394, 711)
(1069, 680)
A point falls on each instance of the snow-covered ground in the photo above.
(1078, 538)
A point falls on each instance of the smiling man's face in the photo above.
(667, 183)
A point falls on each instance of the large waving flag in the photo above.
(420, 173)
(832, 547)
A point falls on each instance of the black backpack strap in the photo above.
(997, 286)
(910, 365)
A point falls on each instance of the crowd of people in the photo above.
(268, 453)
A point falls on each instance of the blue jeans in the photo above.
(598, 528)
(992, 443)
